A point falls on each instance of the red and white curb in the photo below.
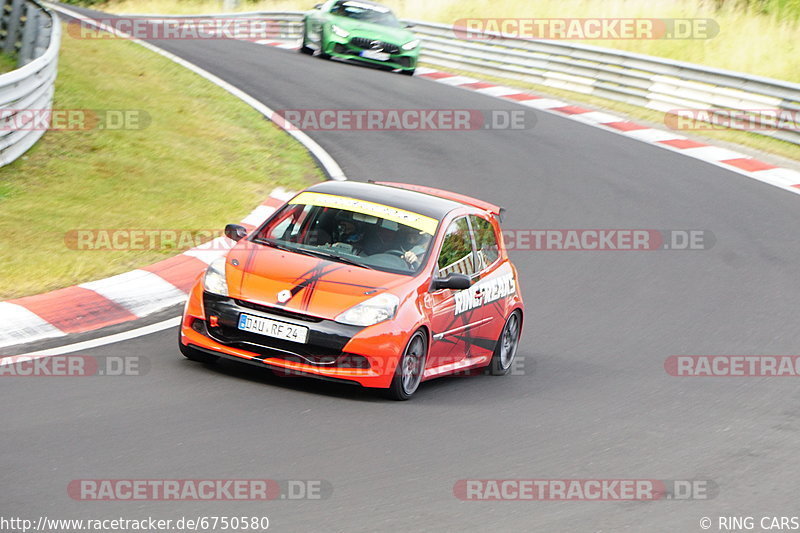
(737, 162)
(120, 298)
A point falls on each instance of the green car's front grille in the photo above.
(367, 44)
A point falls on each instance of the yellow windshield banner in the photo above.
(401, 216)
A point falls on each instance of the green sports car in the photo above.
(360, 30)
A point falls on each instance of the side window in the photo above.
(487, 250)
(456, 255)
(337, 8)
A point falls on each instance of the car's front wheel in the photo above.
(322, 42)
(408, 374)
(506, 349)
(409, 72)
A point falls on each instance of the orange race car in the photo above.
(381, 284)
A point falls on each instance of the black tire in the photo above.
(408, 72)
(303, 48)
(506, 349)
(405, 384)
(197, 355)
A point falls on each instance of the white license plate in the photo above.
(273, 328)
(376, 55)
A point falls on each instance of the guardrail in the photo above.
(644, 81)
(32, 34)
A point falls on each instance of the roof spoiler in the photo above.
(454, 196)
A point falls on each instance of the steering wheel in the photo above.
(402, 255)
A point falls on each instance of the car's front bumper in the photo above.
(349, 48)
(367, 356)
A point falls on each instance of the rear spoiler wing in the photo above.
(454, 196)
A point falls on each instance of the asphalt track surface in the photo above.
(593, 399)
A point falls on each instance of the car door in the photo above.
(452, 316)
(490, 286)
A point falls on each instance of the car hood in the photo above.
(398, 36)
(317, 286)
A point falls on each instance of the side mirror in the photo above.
(235, 232)
(457, 282)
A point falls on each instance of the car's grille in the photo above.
(253, 342)
(325, 343)
(278, 311)
(365, 43)
(287, 350)
(342, 49)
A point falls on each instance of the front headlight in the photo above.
(344, 34)
(214, 280)
(410, 46)
(376, 309)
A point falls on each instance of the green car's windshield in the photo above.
(372, 13)
(351, 231)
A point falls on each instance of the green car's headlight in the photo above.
(411, 45)
(214, 280)
(376, 309)
(340, 31)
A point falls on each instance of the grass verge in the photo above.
(204, 159)
(7, 63)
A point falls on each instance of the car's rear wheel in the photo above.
(506, 349)
(304, 49)
(196, 355)
(408, 374)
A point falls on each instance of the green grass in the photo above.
(7, 63)
(204, 160)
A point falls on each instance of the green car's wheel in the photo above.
(304, 49)
(322, 41)
(408, 72)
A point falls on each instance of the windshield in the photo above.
(351, 231)
(373, 14)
